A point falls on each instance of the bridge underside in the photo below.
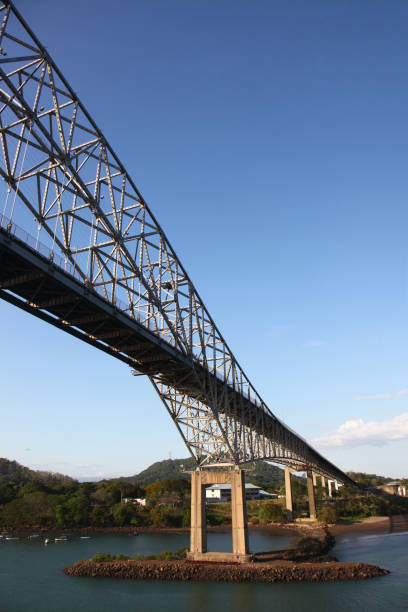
(34, 283)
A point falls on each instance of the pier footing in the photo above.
(198, 537)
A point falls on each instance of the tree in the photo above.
(77, 510)
(272, 512)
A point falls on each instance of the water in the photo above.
(31, 578)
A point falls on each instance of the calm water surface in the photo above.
(31, 578)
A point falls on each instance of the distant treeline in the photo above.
(53, 502)
(41, 499)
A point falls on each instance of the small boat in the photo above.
(34, 535)
(84, 537)
(10, 538)
(61, 539)
(46, 541)
(134, 533)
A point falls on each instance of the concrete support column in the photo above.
(198, 532)
(240, 544)
(323, 482)
(336, 484)
(314, 479)
(311, 495)
(288, 495)
(329, 483)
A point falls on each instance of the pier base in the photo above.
(198, 537)
(219, 557)
(311, 495)
(198, 532)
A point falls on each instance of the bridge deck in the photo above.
(34, 283)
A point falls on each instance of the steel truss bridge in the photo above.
(80, 249)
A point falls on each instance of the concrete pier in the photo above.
(311, 496)
(240, 543)
(329, 485)
(288, 495)
(198, 533)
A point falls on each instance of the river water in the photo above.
(31, 578)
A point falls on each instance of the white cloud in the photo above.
(370, 398)
(376, 433)
(402, 392)
(313, 343)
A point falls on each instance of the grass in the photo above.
(165, 555)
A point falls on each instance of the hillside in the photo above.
(369, 480)
(13, 472)
(261, 473)
(169, 469)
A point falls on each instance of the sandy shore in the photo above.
(372, 525)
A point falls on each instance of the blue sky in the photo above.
(270, 140)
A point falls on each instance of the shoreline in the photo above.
(293, 564)
(372, 525)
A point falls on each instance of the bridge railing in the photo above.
(14, 230)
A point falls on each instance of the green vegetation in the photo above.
(39, 499)
(348, 504)
(368, 480)
(272, 512)
(101, 557)
(166, 555)
(260, 473)
(170, 469)
(310, 546)
(328, 514)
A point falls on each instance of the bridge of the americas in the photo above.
(80, 249)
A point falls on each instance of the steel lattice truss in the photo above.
(66, 188)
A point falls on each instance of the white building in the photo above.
(137, 501)
(222, 493)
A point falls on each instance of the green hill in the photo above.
(13, 472)
(170, 469)
(261, 472)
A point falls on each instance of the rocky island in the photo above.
(307, 561)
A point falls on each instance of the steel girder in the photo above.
(68, 196)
